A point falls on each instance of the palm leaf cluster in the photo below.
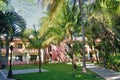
(11, 25)
(59, 21)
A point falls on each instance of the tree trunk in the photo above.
(97, 58)
(7, 51)
(45, 56)
(74, 66)
(83, 35)
(40, 64)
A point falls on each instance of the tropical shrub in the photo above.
(114, 62)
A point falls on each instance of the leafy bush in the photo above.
(114, 62)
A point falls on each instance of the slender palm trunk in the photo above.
(72, 54)
(40, 63)
(7, 51)
(74, 66)
(83, 34)
(45, 61)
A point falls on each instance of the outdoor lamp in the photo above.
(10, 70)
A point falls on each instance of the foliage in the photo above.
(2, 4)
(114, 62)
(101, 21)
(11, 25)
(4, 1)
(77, 47)
(35, 40)
(58, 22)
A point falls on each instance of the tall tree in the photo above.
(12, 25)
(61, 23)
(83, 34)
(36, 43)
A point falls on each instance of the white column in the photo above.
(42, 55)
(88, 51)
(23, 58)
(27, 56)
(97, 54)
(37, 58)
(13, 58)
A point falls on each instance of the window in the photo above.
(18, 58)
(33, 57)
(19, 46)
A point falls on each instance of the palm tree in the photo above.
(36, 42)
(62, 19)
(12, 25)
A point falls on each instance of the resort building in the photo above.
(23, 55)
(52, 53)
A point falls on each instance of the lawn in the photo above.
(56, 72)
(27, 66)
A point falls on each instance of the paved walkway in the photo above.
(4, 73)
(3, 76)
(27, 71)
(105, 73)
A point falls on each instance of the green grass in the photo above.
(27, 66)
(56, 72)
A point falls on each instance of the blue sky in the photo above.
(31, 11)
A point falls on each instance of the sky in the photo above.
(31, 11)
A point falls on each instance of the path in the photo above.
(4, 73)
(103, 72)
(3, 76)
(27, 71)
